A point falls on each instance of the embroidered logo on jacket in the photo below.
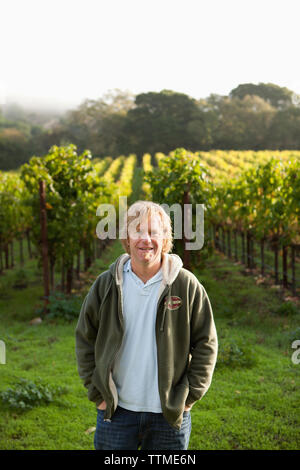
(174, 302)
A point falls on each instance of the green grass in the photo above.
(253, 400)
(252, 406)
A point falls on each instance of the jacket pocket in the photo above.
(93, 393)
(174, 411)
(95, 388)
(107, 392)
(175, 404)
(182, 391)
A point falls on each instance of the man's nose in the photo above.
(146, 237)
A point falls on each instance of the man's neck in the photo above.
(145, 272)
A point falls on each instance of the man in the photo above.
(146, 342)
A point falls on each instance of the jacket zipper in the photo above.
(156, 334)
(117, 350)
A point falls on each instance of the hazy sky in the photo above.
(60, 52)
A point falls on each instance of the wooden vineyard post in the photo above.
(69, 278)
(243, 248)
(21, 251)
(252, 252)
(214, 235)
(6, 256)
(12, 259)
(276, 263)
(186, 253)
(284, 266)
(43, 218)
(28, 243)
(262, 255)
(293, 269)
(229, 242)
(248, 250)
(223, 241)
(211, 233)
(87, 256)
(218, 237)
(85, 259)
(52, 265)
(78, 266)
(62, 283)
(235, 246)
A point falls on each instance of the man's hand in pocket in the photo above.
(102, 405)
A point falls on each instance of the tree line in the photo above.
(257, 117)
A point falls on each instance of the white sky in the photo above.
(60, 52)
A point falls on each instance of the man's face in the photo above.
(146, 240)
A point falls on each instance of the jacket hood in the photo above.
(171, 265)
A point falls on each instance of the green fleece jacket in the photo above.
(185, 334)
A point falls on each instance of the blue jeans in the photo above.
(132, 429)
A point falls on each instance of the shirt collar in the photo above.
(127, 266)
(158, 276)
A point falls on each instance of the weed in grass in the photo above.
(28, 365)
(27, 394)
(52, 339)
(62, 307)
(287, 308)
(233, 354)
(20, 279)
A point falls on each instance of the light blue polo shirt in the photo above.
(135, 371)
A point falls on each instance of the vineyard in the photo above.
(250, 196)
(249, 265)
(251, 202)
